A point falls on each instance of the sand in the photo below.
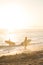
(33, 58)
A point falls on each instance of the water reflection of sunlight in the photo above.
(12, 37)
(20, 49)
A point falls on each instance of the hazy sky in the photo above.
(21, 14)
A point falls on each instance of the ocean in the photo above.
(35, 45)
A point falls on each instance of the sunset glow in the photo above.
(15, 18)
(20, 14)
(16, 15)
(21, 32)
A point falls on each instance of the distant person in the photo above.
(26, 41)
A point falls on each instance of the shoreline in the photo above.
(34, 58)
(18, 50)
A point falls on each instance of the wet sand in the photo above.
(6, 50)
(33, 58)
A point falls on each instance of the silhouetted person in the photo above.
(26, 42)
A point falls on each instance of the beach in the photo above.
(21, 32)
(18, 55)
(33, 58)
(32, 55)
(6, 50)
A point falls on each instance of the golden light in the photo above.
(15, 17)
